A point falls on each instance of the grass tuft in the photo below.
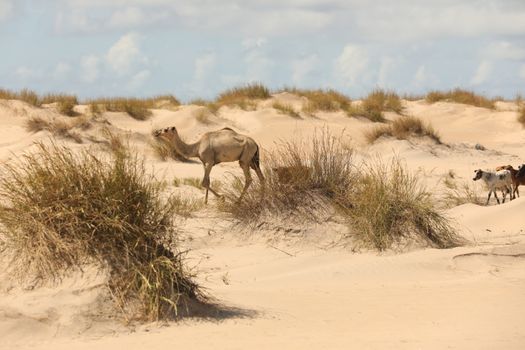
(58, 127)
(243, 96)
(61, 210)
(377, 102)
(403, 128)
(137, 108)
(461, 96)
(286, 109)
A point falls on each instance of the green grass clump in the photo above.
(62, 210)
(377, 102)
(461, 96)
(243, 96)
(402, 129)
(391, 206)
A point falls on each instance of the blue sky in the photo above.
(198, 48)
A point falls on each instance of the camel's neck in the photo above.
(187, 150)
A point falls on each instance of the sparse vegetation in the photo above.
(65, 103)
(383, 205)
(62, 210)
(165, 150)
(203, 116)
(402, 128)
(243, 96)
(58, 127)
(460, 193)
(460, 96)
(137, 108)
(286, 109)
(25, 95)
(212, 107)
(377, 102)
(521, 116)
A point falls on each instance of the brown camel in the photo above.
(216, 147)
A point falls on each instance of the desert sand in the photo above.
(299, 286)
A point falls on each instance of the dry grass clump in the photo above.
(243, 96)
(165, 150)
(377, 102)
(321, 100)
(391, 206)
(403, 128)
(329, 176)
(286, 109)
(25, 95)
(460, 193)
(211, 106)
(461, 96)
(384, 206)
(203, 115)
(65, 102)
(134, 107)
(521, 116)
(62, 210)
(59, 128)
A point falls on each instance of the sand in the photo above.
(298, 287)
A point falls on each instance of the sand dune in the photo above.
(303, 289)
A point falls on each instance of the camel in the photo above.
(216, 147)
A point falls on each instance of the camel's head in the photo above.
(165, 131)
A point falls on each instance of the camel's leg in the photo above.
(258, 172)
(206, 182)
(246, 169)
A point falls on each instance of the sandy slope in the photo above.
(298, 293)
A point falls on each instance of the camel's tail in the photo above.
(255, 160)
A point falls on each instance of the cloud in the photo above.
(62, 69)
(504, 50)
(24, 73)
(388, 65)
(204, 65)
(258, 64)
(124, 54)
(352, 63)
(482, 73)
(6, 9)
(303, 67)
(138, 79)
(90, 66)
(522, 71)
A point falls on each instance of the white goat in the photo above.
(499, 180)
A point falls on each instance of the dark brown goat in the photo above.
(516, 180)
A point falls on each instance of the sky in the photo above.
(199, 48)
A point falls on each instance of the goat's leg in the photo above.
(516, 191)
(488, 198)
(496, 196)
(504, 193)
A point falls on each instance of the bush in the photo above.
(62, 210)
(286, 109)
(137, 108)
(383, 205)
(243, 96)
(402, 128)
(377, 102)
(460, 96)
(25, 95)
(57, 127)
(391, 206)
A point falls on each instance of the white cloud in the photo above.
(388, 65)
(482, 73)
(352, 63)
(130, 16)
(204, 65)
(258, 64)
(504, 50)
(124, 53)
(522, 71)
(138, 79)
(62, 69)
(301, 68)
(90, 68)
(6, 9)
(24, 73)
